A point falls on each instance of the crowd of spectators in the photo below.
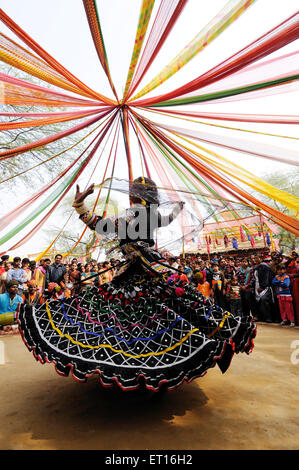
(27, 282)
(265, 287)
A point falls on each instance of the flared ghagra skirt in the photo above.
(135, 331)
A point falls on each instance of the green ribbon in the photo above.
(225, 93)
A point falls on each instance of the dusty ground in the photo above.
(254, 405)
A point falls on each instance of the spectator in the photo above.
(197, 274)
(40, 274)
(222, 264)
(17, 273)
(237, 264)
(203, 286)
(112, 264)
(56, 292)
(9, 303)
(74, 277)
(187, 269)
(3, 259)
(282, 284)
(32, 296)
(292, 270)
(55, 272)
(2, 270)
(234, 297)
(85, 273)
(264, 300)
(276, 260)
(26, 267)
(3, 277)
(66, 284)
(104, 277)
(93, 264)
(182, 274)
(242, 274)
(216, 279)
(95, 269)
(32, 267)
(172, 262)
(229, 272)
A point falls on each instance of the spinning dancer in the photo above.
(146, 327)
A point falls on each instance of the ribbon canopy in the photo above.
(188, 164)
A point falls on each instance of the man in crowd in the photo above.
(40, 274)
(187, 269)
(172, 262)
(3, 277)
(242, 274)
(264, 300)
(26, 267)
(3, 259)
(18, 274)
(32, 296)
(9, 302)
(55, 272)
(222, 264)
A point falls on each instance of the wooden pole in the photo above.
(262, 227)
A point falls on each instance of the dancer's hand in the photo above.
(79, 197)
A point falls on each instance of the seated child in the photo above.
(56, 292)
(32, 296)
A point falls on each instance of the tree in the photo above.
(21, 164)
(289, 182)
(69, 236)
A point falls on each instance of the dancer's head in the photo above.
(144, 191)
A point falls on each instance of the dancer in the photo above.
(141, 329)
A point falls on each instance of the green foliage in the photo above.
(289, 182)
(74, 228)
(16, 137)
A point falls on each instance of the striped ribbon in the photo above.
(71, 182)
(144, 17)
(97, 36)
(168, 13)
(54, 64)
(232, 10)
(273, 40)
(287, 222)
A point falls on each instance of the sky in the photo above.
(61, 28)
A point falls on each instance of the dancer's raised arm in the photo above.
(87, 216)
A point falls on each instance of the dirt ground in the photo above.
(254, 405)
